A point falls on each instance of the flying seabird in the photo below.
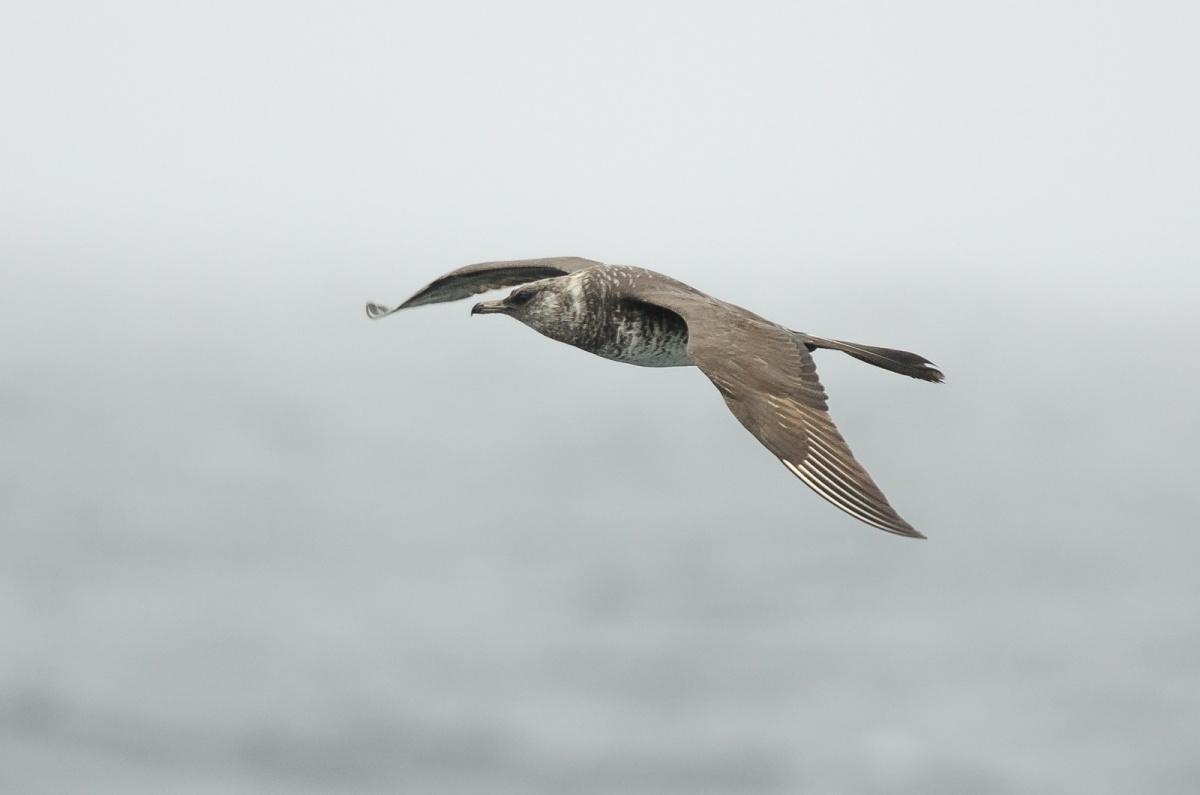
(764, 371)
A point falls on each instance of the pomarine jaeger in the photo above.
(764, 371)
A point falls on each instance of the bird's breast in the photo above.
(640, 334)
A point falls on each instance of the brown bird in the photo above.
(764, 371)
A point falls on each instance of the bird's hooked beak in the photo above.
(488, 307)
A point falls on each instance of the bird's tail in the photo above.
(902, 362)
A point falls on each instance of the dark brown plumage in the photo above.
(764, 371)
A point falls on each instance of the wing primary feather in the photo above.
(816, 486)
(840, 492)
(483, 276)
(892, 525)
(849, 490)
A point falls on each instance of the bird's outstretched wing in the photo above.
(769, 381)
(483, 276)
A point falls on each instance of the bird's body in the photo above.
(763, 370)
(592, 311)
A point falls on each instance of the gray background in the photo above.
(253, 542)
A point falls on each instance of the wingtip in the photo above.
(930, 373)
(376, 311)
(904, 531)
(902, 528)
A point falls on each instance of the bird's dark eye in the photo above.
(520, 297)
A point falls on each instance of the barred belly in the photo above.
(647, 337)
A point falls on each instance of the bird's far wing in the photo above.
(483, 276)
(769, 381)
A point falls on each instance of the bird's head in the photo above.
(541, 304)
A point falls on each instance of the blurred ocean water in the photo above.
(306, 552)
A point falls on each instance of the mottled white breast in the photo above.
(586, 310)
(639, 340)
